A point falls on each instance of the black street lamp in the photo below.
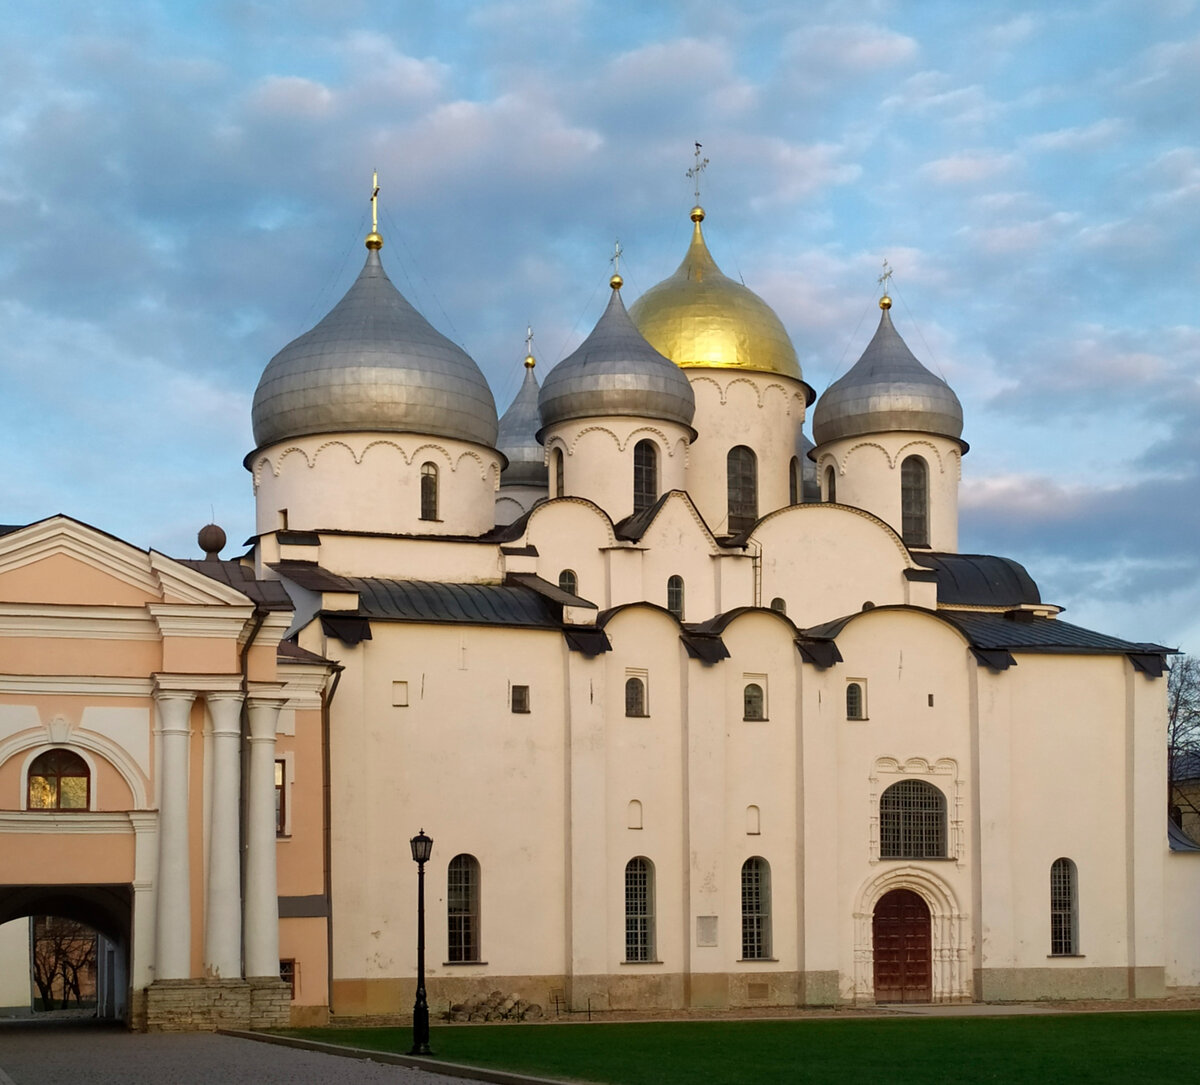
(422, 846)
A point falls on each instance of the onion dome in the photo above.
(374, 363)
(518, 435)
(614, 371)
(701, 319)
(887, 389)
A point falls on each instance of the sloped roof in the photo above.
(268, 594)
(979, 579)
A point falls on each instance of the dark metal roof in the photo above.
(633, 527)
(979, 579)
(548, 591)
(473, 604)
(290, 650)
(1178, 840)
(704, 646)
(6, 529)
(269, 594)
(311, 576)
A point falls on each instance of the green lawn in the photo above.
(1101, 1047)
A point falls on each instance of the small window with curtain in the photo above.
(429, 491)
(645, 475)
(675, 596)
(1064, 909)
(914, 501)
(59, 780)
(568, 581)
(741, 466)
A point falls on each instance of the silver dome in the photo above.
(374, 363)
(887, 389)
(518, 436)
(614, 371)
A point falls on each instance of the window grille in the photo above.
(520, 698)
(912, 821)
(462, 908)
(794, 482)
(830, 484)
(675, 596)
(635, 697)
(855, 709)
(914, 501)
(639, 910)
(756, 909)
(568, 581)
(753, 702)
(645, 475)
(429, 491)
(1064, 914)
(59, 780)
(742, 480)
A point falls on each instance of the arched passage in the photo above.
(901, 945)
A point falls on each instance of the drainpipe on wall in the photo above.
(260, 616)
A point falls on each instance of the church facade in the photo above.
(698, 712)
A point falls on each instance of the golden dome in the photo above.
(701, 319)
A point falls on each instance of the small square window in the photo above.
(400, 694)
(287, 973)
(520, 698)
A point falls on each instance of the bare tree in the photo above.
(1183, 744)
(64, 960)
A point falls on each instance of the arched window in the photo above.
(756, 909)
(912, 821)
(633, 814)
(568, 581)
(59, 780)
(778, 605)
(753, 821)
(856, 708)
(462, 908)
(742, 478)
(752, 702)
(794, 490)
(635, 697)
(1064, 909)
(830, 483)
(645, 475)
(639, 910)
(559, 489)
(914, 501)
(429, 491)
(675, 596)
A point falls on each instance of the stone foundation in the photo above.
(204, 1005)
(1056, 983)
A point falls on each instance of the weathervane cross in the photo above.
(885, 278)
(616, 258)
(529, 339)
(694, 173)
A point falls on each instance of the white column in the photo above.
(223, 911)
(262, 891)
(173, 928)
(142, 932)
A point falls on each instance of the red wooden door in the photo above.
(902, 948)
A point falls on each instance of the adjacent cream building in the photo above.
(697, 713)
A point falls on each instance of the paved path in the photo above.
(89, 1054)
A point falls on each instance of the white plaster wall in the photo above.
(763, 411)
(15, 994)
(417, 559)
(513, 501)
(571, 533)
(372, 482)
(868, 477)
(1183, 921)
(598, 458)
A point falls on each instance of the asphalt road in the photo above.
(90, 1054)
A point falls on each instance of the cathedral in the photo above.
(697, 712)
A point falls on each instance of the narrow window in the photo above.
(59, 780)
(778, 605)
(639, 910)
(281, 798)
(520, 698)
(559, 489)
(645, 475)
(675, 596)
(753, 821)
(830, 484)
(752, 702)
(912, 821)
(756, 909)
(568, 581)
(635, 697)
(794, 481)
(914, 501)
(1064, 909)
(633, 814)
(429, 491)
(742, 481)
(462, 908)
(856, 704)
(287, 973)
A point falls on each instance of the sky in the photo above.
(184, 188)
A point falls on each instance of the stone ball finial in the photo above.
(212, 541)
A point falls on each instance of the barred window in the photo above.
(756, 909)
(914, 501)
(753, 706)
(742, 480)
(675, 596)
(912, 821)
(1064, 909)
(639, 910)
(568, 581)
(59, 780)
(830, 484)
(462, 908)
(856, 704)
(429, 491)
(635, 697)
(645, 475)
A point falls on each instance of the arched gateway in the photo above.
(902, 943)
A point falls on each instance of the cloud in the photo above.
(970, 167)
(1079, 138)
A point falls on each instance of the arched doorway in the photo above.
(901, 942)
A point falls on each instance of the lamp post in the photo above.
(422, 846)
